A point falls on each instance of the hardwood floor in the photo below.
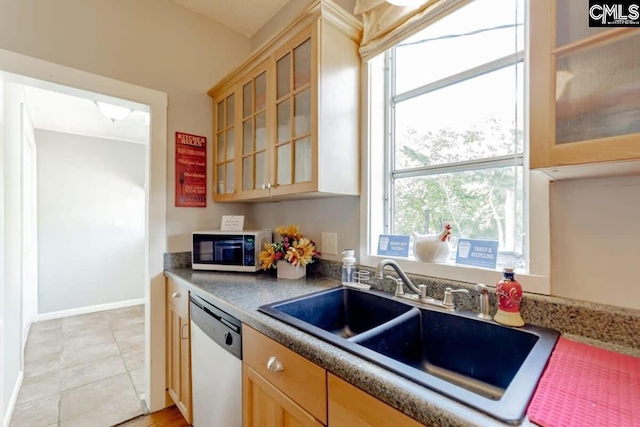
(170, 417)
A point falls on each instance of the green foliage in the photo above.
(484, 204)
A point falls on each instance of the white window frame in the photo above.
(536, 194)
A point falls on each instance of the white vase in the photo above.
(286, 270)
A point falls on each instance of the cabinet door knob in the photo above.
(175, 295)
(274, 365)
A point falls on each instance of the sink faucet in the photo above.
(379, 275)
(420, 291)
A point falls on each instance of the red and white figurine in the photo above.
(509, 293)
(432, 247)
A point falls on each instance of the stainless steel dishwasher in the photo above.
(216, 366)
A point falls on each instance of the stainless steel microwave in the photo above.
(228, 250)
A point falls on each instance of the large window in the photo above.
(454, 142)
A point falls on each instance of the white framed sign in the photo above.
(232, 223)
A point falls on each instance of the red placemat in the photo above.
(587, 386)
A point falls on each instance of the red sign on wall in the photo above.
(191, 170)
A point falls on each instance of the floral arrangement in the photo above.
(294, 248)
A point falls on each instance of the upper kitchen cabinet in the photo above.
(254, 159)
(585, 92)
(226, 142)
(297, 117)
(294, 171)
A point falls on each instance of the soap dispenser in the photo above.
(348, 267)
(509, 293)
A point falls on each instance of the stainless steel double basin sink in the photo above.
(489, 367)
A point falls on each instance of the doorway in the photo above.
(154, 207)
(90, 240)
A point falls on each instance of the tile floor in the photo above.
(85, 370)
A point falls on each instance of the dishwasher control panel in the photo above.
(220, 326)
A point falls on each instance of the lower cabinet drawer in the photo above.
(179, 297)
(302, 381)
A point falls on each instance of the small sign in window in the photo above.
(479, 253)
(393, 245)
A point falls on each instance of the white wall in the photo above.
(11, 349)
(90, 221)
(151, 43)
(333, 214)
(595, 240)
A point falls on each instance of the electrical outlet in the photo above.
(329, 243)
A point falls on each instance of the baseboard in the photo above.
(90, 309)
(12, 401)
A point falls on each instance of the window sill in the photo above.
(530, 282)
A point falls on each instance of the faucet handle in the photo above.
(423, 292)
(399, 284)
(448, 297)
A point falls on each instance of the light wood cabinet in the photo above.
(585, 91)
(281, 388)
(350, 406)
(255, 154)
(226, 143)
(263, 405)
(297, 378)
(178, 341)
(293, 158)
(297, 117)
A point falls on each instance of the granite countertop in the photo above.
(241, 294)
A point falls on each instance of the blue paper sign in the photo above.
(393, 245)
(479, 253)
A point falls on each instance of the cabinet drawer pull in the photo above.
(274, 365)
(175, 295)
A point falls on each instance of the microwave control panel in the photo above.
(249, 250)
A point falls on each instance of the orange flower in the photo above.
(292, 231)
(300, 252)
(267, 257)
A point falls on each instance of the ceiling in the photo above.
(244, 16)
(60, 112)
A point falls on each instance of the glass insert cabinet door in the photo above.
(598, 91)
(293, 142)
(255, 171)
(225, 142)
(597, 77)
(585, 84)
